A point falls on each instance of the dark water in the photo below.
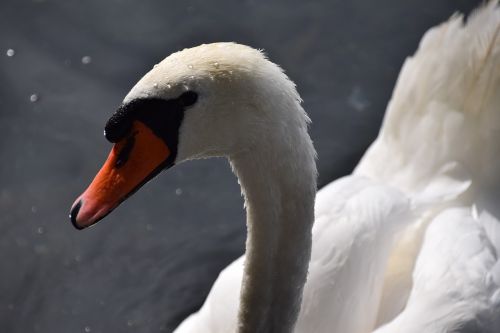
(152, 261)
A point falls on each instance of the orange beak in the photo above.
(132, 162)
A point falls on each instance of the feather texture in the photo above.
(439, 144)
(356, 222)
(456, 279)
(410, 240)
(409, 243)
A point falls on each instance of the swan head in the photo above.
(219, 99)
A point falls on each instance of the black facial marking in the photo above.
(163, 117)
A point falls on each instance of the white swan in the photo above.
(228, 100)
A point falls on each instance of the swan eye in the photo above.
(188, 98)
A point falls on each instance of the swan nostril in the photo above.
(74, 214)
(124, 153)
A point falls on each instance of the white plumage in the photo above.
(356, 221)
(439, 144)
(435, 163)
(456, 281)
(410, 242)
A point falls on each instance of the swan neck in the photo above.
(279, 186)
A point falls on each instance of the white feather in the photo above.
(356, 222)
(440, 144)
(370, 263)
(456, 281)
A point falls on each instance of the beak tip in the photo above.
(74, 214)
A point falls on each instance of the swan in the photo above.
(226, 99)
(340, 260)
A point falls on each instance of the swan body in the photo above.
(347, 264)
(424, 108)
(371, 250)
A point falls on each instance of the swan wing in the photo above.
(439, 139)
(357, 221)
(456, 281)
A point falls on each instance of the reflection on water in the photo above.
(86, 60)
(34, 98)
